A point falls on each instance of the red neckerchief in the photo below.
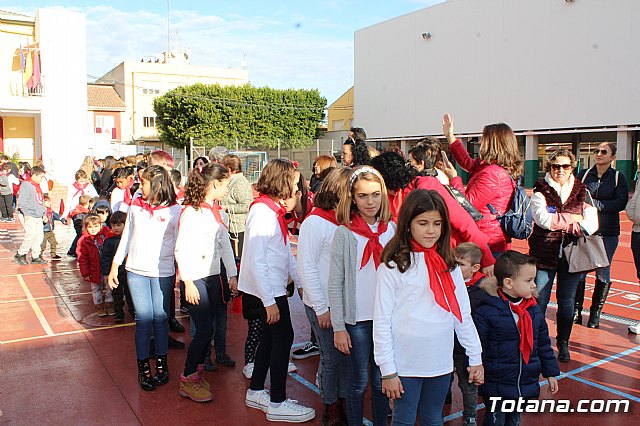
(39, 195)
(49, 214)
(440, 279)
(280, 211)
(80, 189)
(146, 206)
(127, 194)
(525, 325)
(373, 247)
(180, 194)
(477, 276)
(215, 210)
(328, 215)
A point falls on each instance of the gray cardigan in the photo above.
(342, 278)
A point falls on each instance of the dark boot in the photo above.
(600, 293)
(162, 371)
(577, 310)
(331, 415)
(342, 405)
(562, 340)
(144, 375)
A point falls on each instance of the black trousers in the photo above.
(119, 293)
(273, 353)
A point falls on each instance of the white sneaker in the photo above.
(292, 367)
(259, 399)
(290, 411)
(634, 328)
(247, 370)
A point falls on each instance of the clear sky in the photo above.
(286, 43)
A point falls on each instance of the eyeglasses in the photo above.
(600, 151)
(561, 166)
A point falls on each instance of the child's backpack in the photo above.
(517, 221)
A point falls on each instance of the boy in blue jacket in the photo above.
(49, 226)
(515, 339)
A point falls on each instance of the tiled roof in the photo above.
(104, 97)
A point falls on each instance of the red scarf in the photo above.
(80, 189)
(215, 210)
(127, 194)
(280, 211)
(440, 279)
(477, 276)
(525, 325)
(373, 247)
(146, 206)
(328, 215)
(39, 195)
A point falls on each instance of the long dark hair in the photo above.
(199, 180)
(162, 192)
(399, 249)
(359, 151)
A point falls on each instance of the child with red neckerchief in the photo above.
(515, 338)
(31, 207)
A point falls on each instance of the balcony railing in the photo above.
(18, 85)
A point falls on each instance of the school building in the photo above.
(43, 95)
(561, 73)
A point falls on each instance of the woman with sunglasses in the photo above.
(610, 193)
(561, 211)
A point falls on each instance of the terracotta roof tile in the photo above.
(104, 97)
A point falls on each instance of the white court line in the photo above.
(35, 307)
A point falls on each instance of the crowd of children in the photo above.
(382, 275)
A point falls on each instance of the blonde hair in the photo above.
(347, 206)
(500, 146)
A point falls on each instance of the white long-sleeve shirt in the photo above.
(544, 219)
(412, 334)
(267, 262)
(201, 242)
(117, 199)
(149, 241)
(314, 252)
(73, 197)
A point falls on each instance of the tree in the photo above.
(216, 115)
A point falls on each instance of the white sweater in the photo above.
(267, 262)
(201, 242)
(412, 334)
(117, 199)
(314, 252)
(149, 241)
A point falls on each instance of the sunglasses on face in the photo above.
(600, 151)
(561, 166)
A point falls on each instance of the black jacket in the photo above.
(610, 199)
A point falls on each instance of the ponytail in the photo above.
(199, 180)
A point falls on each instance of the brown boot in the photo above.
(331, 415)
(100, 310)
(202, 380)
(108, 307)
(191, 387)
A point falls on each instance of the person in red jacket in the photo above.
(400, 179)
(491, 176)
(89, 249)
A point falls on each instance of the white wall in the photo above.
(534, 64)
(62, 37)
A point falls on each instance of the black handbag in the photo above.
(465, 203)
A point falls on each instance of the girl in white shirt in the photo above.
(364, 214)
(267, 264)
(421, 299)
(314, 246)
(202, 240)
(148, 242)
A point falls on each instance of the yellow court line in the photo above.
(44, 297)
(40, 272)
(35, 307)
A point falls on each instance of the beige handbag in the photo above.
(586, 253)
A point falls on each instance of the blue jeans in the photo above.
(333, 370)
(360, 364)
(425, 395)
(150, 296)
(565, 289)
(499, 418)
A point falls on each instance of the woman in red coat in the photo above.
(491, 176)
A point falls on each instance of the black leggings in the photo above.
(273, 353)
(254, 335)
(202, 315)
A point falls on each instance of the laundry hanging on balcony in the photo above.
(34, 80)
